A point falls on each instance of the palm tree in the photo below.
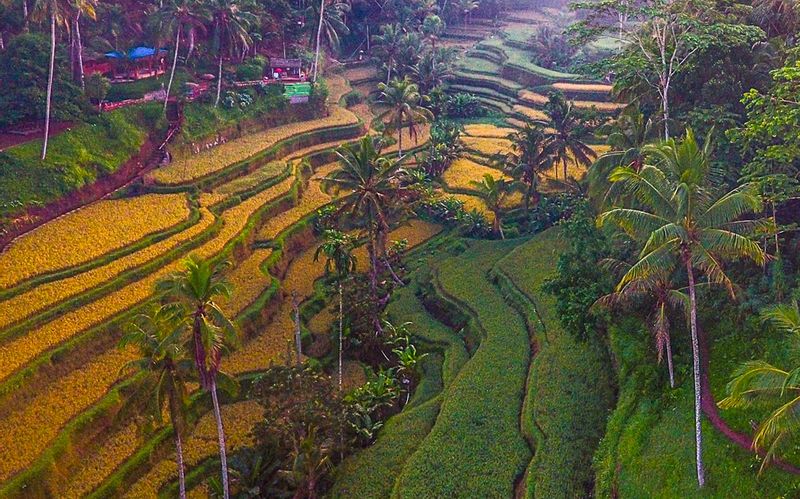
(432, 28)
(195, 292)
(405, 109)
(331, 23)
(465, 8)
(371, 184)
(760, 383)
(668, 299)
(232, 20)
(388, 46)
(433, 68)
(566, 133)
(340, 261)
(56, 11)
(158, 336)
(493, 192)
(80, 7)
(627, 136)
(173, 15)
(681, 213)
(529, 158)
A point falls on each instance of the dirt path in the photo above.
(8, 139)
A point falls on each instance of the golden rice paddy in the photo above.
(88, 233)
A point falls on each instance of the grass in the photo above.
(137, 89)
(75, 158)
(648, 449)
(569, 392)
(479, 417)
(521, 59)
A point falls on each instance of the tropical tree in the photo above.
(56, 11)
(682, 214)
(195, 291)
(759, 383)
(667, 300)
(232, 22)
(432, 28)
(528, 159)
(371, 185)
(339, 260)
(388, 46)
(433, 68)
(627, 136)
(173, 15)
(494, 193)
(331, 24)
(404, 109)
(466, 7)
(80, 7)
(566, 133)
(163, 370)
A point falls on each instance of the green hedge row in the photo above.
(570, 386)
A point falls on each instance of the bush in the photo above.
(24, 67)
(251, 69)
(97, 87)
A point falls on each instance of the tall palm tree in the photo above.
(529, 158)
(80, 7)
(566, 133)
(232, 21)
(682, 213)
(493, 192)
(174, 15)
(195, 292)
(627, 136)
(56, 11)
(432, 28)
(404, 103)
(760, 383)
(158, 336)
(371, 185)
(388, 46)
(331, 24)
(465, 8)
(433, 68)
(339, 260)
(666, 298)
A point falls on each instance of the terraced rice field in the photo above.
(487, 130)
(88, 233)
(464, 171)
(109, 257)
(488, 146)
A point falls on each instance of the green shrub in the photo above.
(251, 69)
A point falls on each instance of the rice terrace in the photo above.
(399, 249)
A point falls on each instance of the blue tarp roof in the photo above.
(134, 53)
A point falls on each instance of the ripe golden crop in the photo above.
(582, 87)
(486, 130)
(463, 171)
(488, 146)
(88, 233)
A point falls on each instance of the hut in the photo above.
(286, 69)
(138, 63)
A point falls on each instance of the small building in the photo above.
(286, 69)
(138, 63)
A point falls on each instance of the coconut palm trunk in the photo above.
(698, 430)
(219, 78)
(341, 328)
(174, 65)
(319, 38)
(49, 84)
(669, 364)
(221, 436)
(79, 49)
(179, 458)
(26, 22)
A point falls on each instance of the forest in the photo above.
(399, 248)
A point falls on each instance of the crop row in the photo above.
(488, 146)
(487, 130)
(49, 294)
(88, 233)
(462, 172)
(480, 414)
(567, 377)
